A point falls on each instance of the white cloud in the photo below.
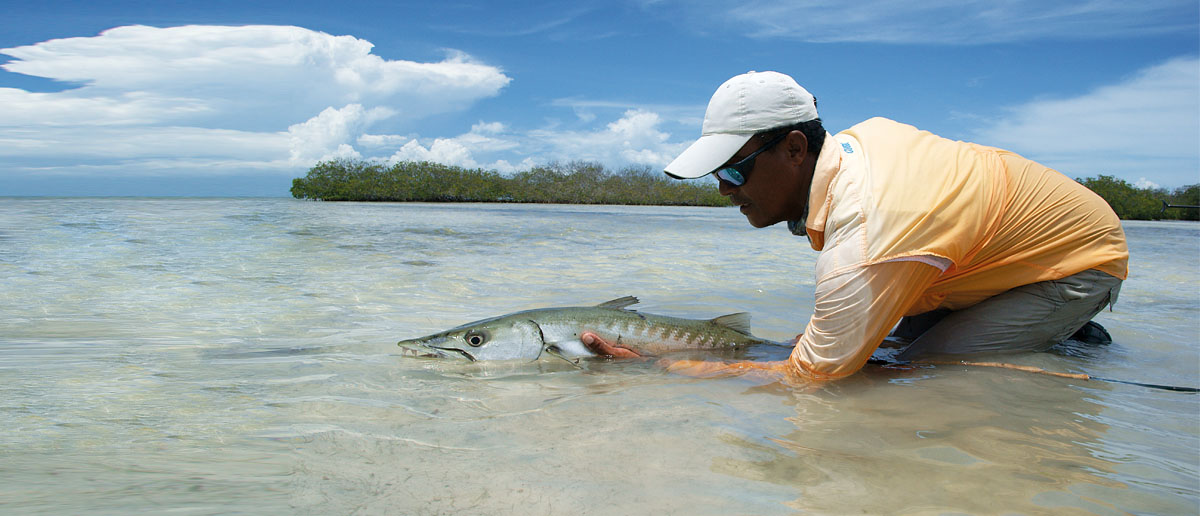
(86, 145)
(23, 108)
(1146, 126)
(526, 21)
(454, 151)
(490, 137)
(586, 109)
(298, 94)
(634, 139)
(933, 21)
(381, 140)
(489, 128)
(327, 135)
(585, 116)
(485, 138)
(278, 74)
(1145, 183)
(211, 100)
(443, 150)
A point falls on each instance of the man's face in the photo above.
(774, 189)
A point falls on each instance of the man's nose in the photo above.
(725, 187)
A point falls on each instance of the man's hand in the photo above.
(600, 346)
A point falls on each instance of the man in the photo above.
(976, 248)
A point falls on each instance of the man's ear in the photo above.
(797, 146)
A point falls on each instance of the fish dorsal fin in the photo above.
(619, 303)
(739, 322)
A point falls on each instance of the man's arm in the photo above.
(854, 311)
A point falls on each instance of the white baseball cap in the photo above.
(745, 105)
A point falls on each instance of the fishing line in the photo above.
(1073, 376)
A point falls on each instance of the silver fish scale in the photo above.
(644, 333)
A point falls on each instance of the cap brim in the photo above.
(705, 155)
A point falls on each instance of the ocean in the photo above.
(238, 356)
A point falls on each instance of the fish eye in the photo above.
(475, 339)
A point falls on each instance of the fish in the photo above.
(531, 334)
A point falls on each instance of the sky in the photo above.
(237, 98)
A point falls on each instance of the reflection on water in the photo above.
(216, 356)
(982, 448)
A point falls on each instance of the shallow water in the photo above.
(204, 356)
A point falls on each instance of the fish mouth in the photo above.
(451, 351)
(421, 350)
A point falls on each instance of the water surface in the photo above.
(204, 356)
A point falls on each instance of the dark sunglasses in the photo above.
(737, 173)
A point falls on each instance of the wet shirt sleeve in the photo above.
(855, 309)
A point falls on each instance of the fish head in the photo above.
(502, 338)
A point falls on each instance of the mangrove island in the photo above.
(591, 183)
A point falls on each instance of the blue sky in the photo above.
(237, 98)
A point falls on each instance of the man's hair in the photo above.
(813, 131)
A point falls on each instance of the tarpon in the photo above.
(555, 331)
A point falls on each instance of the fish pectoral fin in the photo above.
(554, 351)
(619, 303)
(739, 322)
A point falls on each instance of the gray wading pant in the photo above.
(1031, 317)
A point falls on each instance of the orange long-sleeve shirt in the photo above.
(907, 221)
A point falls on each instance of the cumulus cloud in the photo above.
(208, 99)
(1145, 126)
(442, 150)
(485, 138)
(634, 139)
(1145, 183)
(380, 141)
(299, 94)
(278, 74)
(933, 21)
(328, 135)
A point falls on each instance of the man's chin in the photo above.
(759, 221)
